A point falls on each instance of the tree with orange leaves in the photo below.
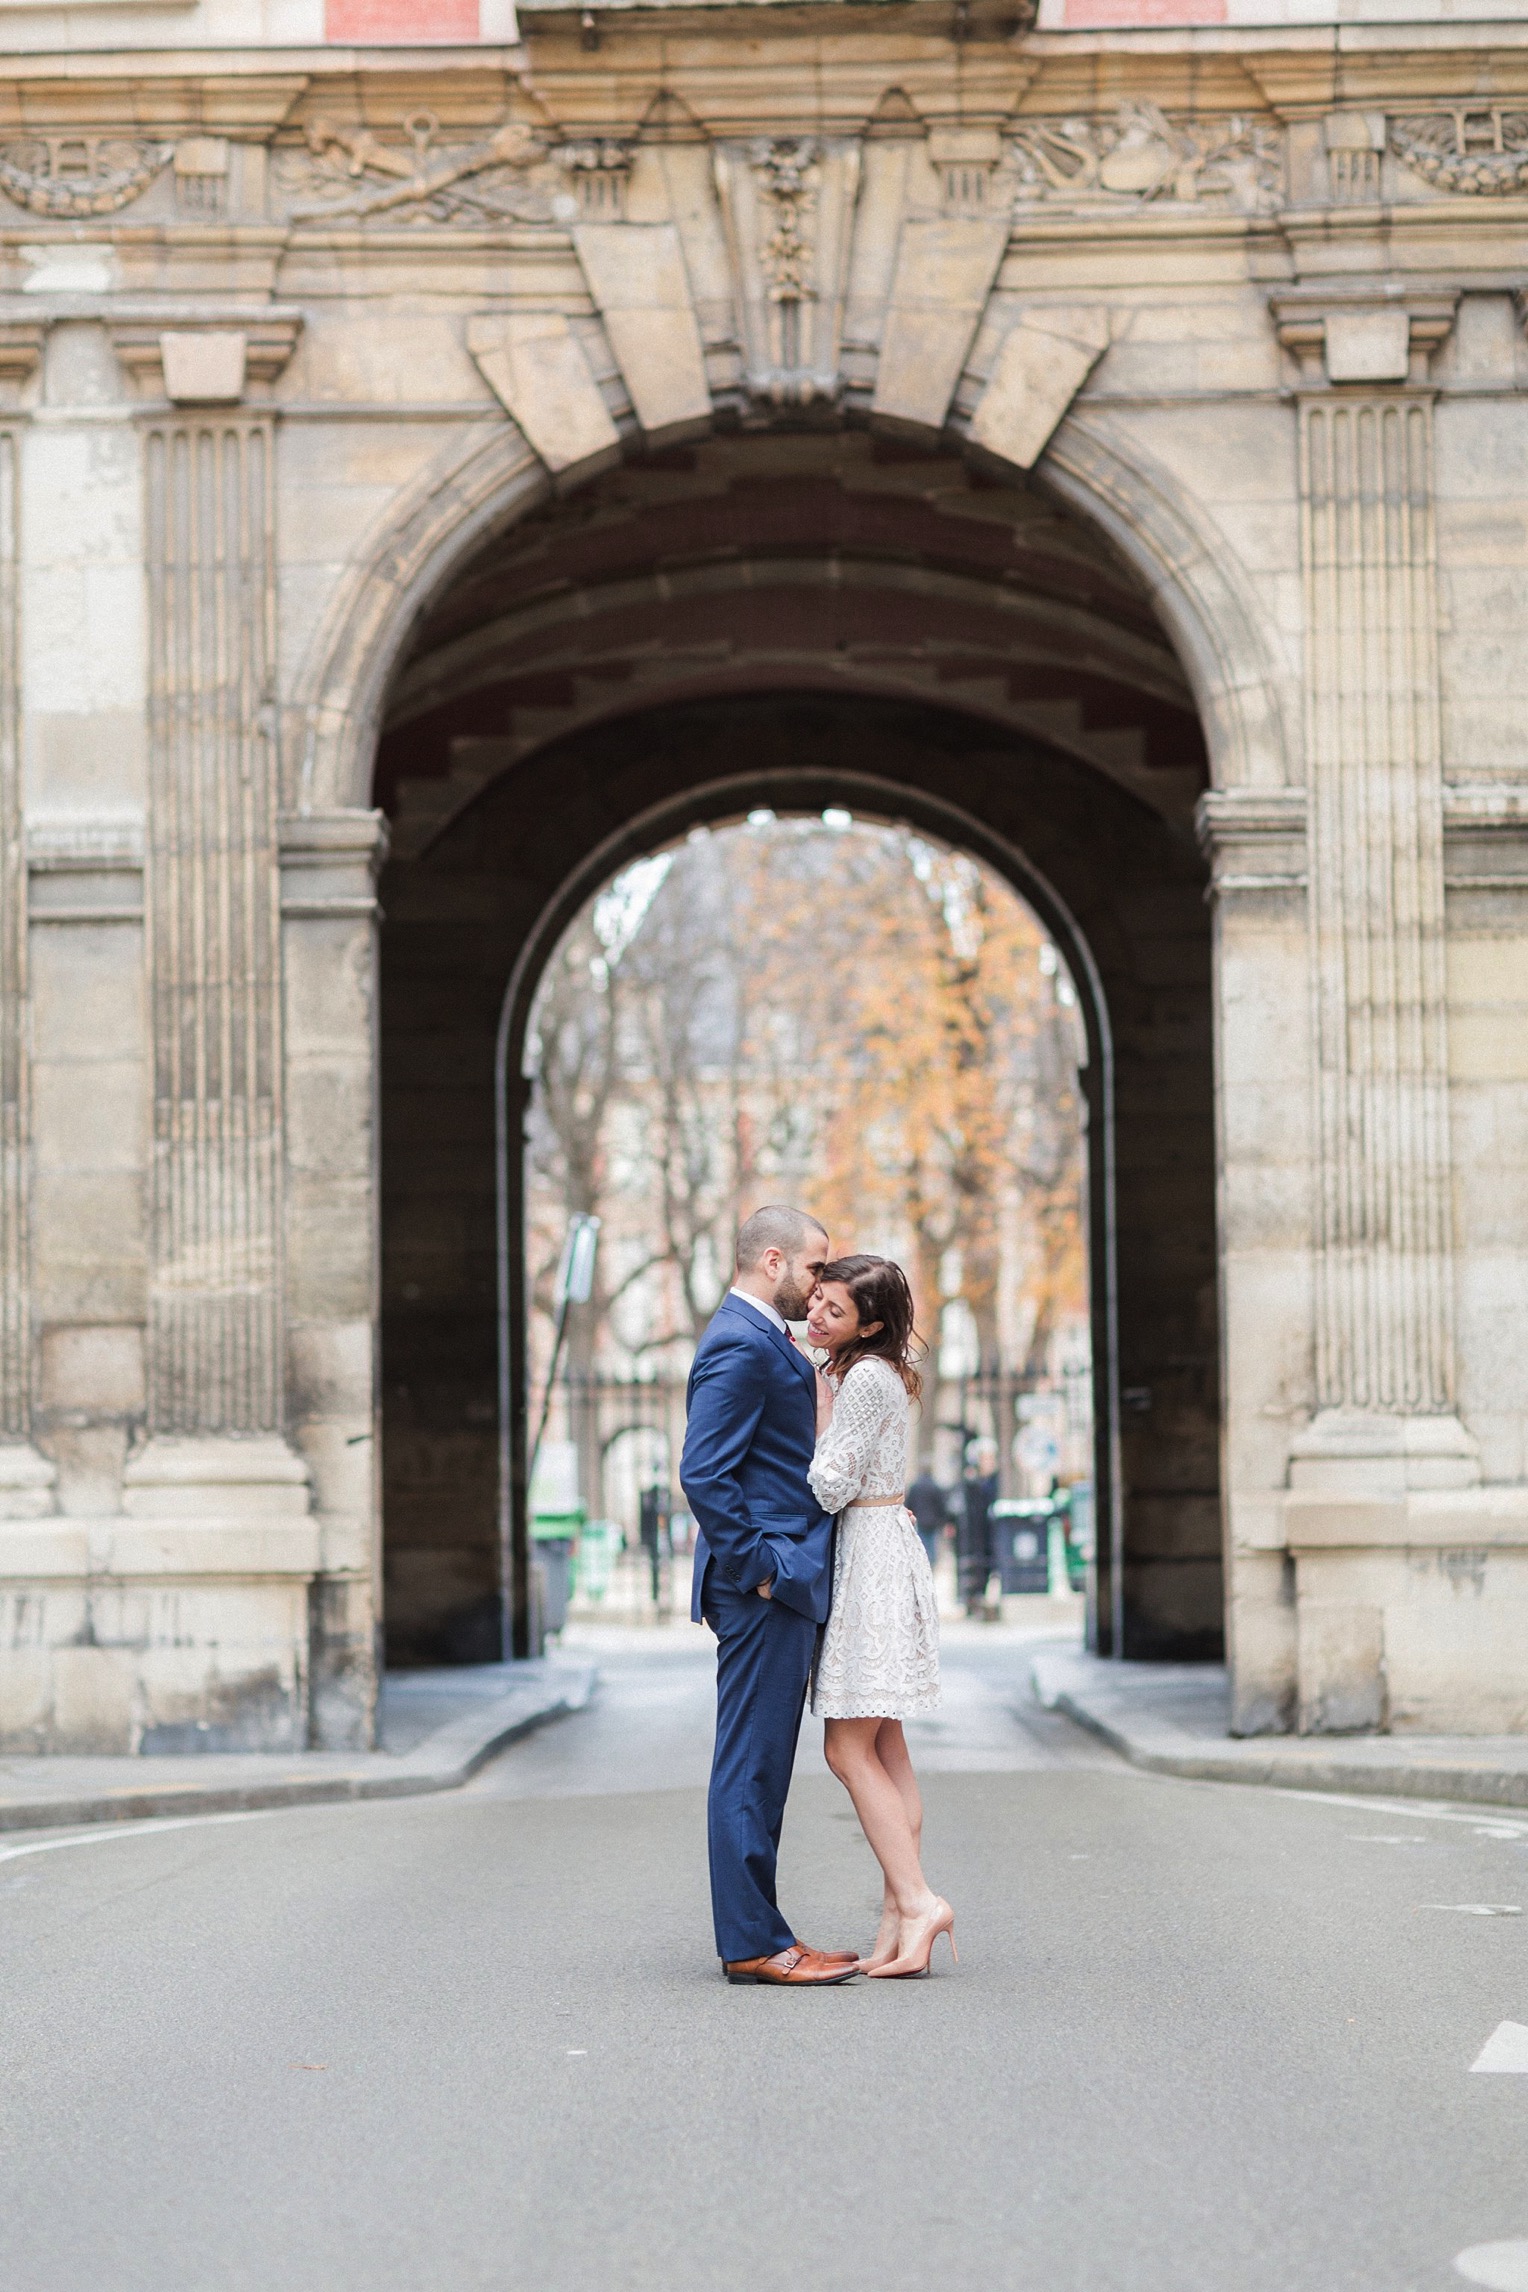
(852, 1016)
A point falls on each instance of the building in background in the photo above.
(445, 459)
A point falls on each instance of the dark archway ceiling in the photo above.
(833, 562)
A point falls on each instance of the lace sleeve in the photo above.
(847, 1451)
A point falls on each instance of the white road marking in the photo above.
(1505, 2052)
(117, 1833)
(1478, 1909)
(1405, 1810)
(1501, 2267)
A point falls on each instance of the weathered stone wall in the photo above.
(292, 339)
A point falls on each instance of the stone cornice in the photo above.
(84, 870)
(1253, 838)
(329, 864)
(266, 339)
(1483, 804)
(72, 845)
(21, 341)
(1485, 828)
(1361, 330)
(231, 90)
(320, 836)
(982, 22)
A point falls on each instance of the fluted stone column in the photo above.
(26, 1478)
(217, 1489)
(213, 931)
(1384, 1325)
(15, 1332)
(1385, 1478)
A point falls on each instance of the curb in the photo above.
(443, 1762)
(1406, 1779)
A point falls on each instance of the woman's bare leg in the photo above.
(852, 1754)
(891, 1749)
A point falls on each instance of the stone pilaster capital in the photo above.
(330, 862)
(1485, 828)
(357, 833)
(21, 341)
(205, 356)
(1363, 331)
(27, 1482)
(1253, 838)
(84, 870)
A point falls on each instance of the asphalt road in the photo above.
(1202, 2038)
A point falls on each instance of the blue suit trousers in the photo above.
(763, 1661)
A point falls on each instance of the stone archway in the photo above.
(760, 731)
(795, 619)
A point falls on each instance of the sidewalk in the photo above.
(1171, 1719)
(437, 1729)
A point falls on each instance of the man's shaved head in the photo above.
(775, 1227)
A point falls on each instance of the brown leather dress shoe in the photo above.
(795, 1968)
(834, 1957)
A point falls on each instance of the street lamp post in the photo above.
(574, 1286)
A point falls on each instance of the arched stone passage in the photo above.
(824, 745)
(799, 622)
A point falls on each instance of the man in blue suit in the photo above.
(763, 1579)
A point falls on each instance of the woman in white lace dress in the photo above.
(878, 1662)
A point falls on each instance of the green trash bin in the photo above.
(1079, 1533)
(599, 1542)
(553, 1537)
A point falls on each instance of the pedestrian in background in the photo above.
(973, 1540)
(929, 1503)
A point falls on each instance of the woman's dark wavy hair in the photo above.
(880, 1293)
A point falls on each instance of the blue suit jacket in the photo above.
(751, 1432)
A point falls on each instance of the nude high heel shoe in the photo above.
(884, 1948)
(915, 1960)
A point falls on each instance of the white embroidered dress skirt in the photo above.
(879, 1653)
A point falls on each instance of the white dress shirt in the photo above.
(760, 1306)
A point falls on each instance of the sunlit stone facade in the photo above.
(1217, 304)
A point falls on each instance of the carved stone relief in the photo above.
(968, 163)
(1479, 149)
(789, 208)
(72, 176)
(599, 170)
(1355, 148)
(358, 175)
(201, 177)
(1141, 155)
